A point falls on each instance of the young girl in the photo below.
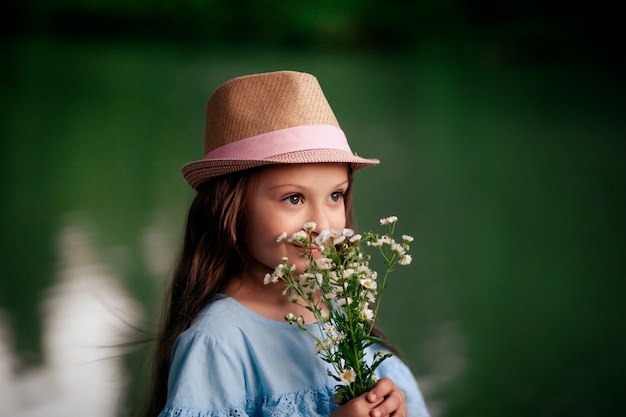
(275, 159)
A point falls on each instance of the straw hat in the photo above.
(272, 118)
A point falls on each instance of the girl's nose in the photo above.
(322, 219)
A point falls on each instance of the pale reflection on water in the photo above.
(85, 316)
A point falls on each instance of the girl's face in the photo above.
(286, 197)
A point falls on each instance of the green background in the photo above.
(501, 136)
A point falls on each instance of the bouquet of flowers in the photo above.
(344, 295)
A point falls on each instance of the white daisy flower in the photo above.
(405, 259)
(347, 376)
(407, 238)
(378, 243)
(332, 275)
(299, 236)
(397, 248)
(309, 226)
(367, 314)
(322, 237)
(338, 336)
(319, 279)
(278, 271)
(344, 301)
(328, 343)
(330, 236)
(324, 264)
(347, 273)
(282, 237)
(329, 329)
(368, 283)
(370, 297)
(356, 238)
(388, 220)
(337, 240)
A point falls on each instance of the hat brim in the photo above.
(197, 172)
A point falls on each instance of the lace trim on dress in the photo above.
(306, 403)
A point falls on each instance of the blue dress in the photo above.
(234, 362)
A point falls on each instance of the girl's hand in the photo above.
(387, 399)
(384, 400)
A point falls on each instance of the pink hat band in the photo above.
(278, 142)
(293, 145)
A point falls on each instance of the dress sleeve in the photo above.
(206, 379)
(400, 373)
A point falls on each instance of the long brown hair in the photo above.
(213, 251)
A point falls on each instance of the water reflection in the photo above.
(86, 316)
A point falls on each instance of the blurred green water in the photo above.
(510, 178)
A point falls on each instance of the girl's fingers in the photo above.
(394, 404)
(387, 399)
(357, 407)
(382, 388)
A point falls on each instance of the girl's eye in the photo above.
(336, 196)
(294, 199)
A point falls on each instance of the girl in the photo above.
(275, 159)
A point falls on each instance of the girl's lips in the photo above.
(311, 249)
